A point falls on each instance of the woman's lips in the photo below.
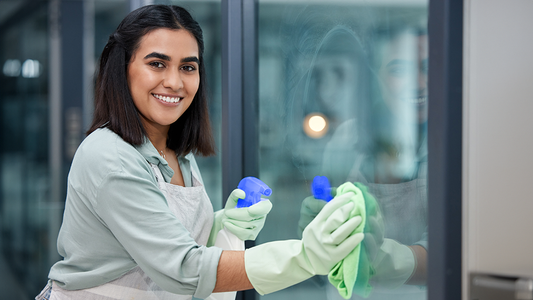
(168, 99)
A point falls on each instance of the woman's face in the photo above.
(404, 76)
(163, 76)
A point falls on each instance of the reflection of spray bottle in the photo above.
(321, 188)
(253, 188)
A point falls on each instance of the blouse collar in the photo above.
(149, 152)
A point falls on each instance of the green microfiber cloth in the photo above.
(354, 271)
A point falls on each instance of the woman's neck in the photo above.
(157, 136)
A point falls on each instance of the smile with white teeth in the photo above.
(168, 99)
(418, 100)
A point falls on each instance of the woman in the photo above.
(137, 221)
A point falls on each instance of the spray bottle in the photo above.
(254, 189)
(321, 188)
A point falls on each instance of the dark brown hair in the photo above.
(114, 106)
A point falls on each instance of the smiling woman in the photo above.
(163, 78)
(138, 223)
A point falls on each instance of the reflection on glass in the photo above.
(360, 72)
(315, 125)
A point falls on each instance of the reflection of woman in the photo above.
(399, 150)
(393, 164)
(389, 156)
(325, 74)
(137, 222)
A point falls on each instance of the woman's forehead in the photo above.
(171, 42)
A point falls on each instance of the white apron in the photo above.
(193, 208)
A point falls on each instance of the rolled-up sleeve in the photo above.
(423, 240)
(136, 212)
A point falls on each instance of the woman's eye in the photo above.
(157, 64)
(400, 71)
(188, 68)
(424, 67)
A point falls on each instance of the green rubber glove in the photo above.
(325, 241)
(245, 222)
(393, 265)
(389, 264)
(308, 211)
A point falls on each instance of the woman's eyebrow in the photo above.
(395, 62)
(158, 55)
(191, 59)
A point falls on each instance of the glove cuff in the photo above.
(217, 226)
(276, 265)
(394, 265)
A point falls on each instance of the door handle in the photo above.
(500, 287)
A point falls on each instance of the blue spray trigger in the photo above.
(254, 188)
(321, 188)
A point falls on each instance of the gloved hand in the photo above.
(325, 241)
(393, 264)
(374, 234)
(308, 211)
(245, 222)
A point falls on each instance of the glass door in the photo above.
(343, 94)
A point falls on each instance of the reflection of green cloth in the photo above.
(354, 271)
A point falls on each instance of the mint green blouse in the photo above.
(116, 218)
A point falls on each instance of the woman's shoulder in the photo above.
(104, 142)
(106, 151)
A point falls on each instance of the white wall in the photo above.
(498, 138)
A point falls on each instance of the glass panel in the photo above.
(343, 94)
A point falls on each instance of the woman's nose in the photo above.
(422, 80)
(173, 80)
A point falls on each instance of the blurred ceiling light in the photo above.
(315, 125)
(31, 68)
(12, 68)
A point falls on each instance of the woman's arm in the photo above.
(276, 265)
(419, 275)
(231, 274)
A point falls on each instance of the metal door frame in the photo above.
(445, 88)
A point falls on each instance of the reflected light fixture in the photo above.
(315, 125)
(31, 68)
(11, 68)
